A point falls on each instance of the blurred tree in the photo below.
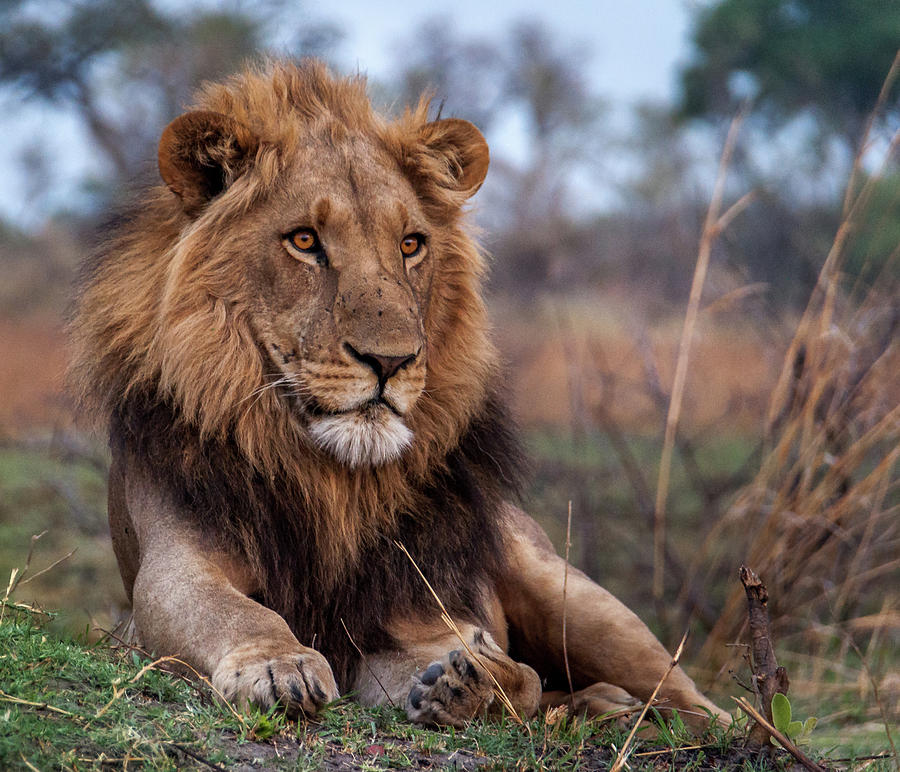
(126, 67)
(813, 70)
(824, 57)
(531, 87)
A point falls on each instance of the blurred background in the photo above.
(606, 122)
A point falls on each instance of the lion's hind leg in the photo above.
(606, 642)
(596, 700)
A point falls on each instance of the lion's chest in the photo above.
(330, 592)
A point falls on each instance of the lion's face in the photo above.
(341, 275)
(335, 254)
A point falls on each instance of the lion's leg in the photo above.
(606, 642)
(190, 601)
(594, 700)
(441, 681)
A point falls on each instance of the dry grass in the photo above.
(32, 352)
(819, 520)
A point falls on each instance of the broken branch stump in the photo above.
(768, 678)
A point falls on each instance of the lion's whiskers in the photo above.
(259, 390)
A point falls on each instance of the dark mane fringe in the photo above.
(449, 527)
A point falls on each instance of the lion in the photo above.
(287, 345)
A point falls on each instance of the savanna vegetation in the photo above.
(703, 358)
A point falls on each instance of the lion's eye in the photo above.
(305, 240)
(411, 245)
(304, 245)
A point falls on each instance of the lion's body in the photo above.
(288, 346)
(365, 584)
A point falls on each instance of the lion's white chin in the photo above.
(365, 438)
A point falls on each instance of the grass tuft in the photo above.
(68, 704)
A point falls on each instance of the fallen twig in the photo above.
(784, 741)
(198, 757)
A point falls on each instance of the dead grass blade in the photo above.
(864, 145)
(28, 764)
(365, 662)
(623, 752)
(819, 517)
(17, 578)
(673, 750)
(448, 620)
(43, 571)
(714, 224)
(566, 608)
(39, 705)
(878, 701)
(155, 665)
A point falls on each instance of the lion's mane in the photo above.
(166, 360)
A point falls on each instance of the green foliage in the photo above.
(796, 731)
(874, 242)
(124, 68)
(830, 56)
(64, 704)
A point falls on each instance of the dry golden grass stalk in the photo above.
(156, 665)
(622, 756)
(714, 224)
(565, 646)
(17, 578)
(365, 661)
(4, 697)
(452, 626)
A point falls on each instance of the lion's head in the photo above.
(303, 280)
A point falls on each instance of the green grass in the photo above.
(63, 496)
(162, 719)
(94, 712)
(67, 705)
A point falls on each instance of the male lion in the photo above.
(288, 345)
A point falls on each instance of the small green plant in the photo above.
(796, 731)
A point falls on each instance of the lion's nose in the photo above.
(383, 366)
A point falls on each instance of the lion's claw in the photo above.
(449, 692)
(300, 681)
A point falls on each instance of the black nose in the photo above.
(383, 366)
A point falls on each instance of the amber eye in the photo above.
(305, 240)
(303, 244)
(411, 245)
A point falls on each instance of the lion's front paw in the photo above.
(298, 680)
(449, 692)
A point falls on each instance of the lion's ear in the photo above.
(464, 147)
(201, 153)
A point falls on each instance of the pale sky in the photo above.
(635, 47)
(635, 43)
